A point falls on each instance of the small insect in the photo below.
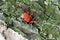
(27, 15)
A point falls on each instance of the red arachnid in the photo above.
(27, 15)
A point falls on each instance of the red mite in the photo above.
(28, 18)
(27, 15)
